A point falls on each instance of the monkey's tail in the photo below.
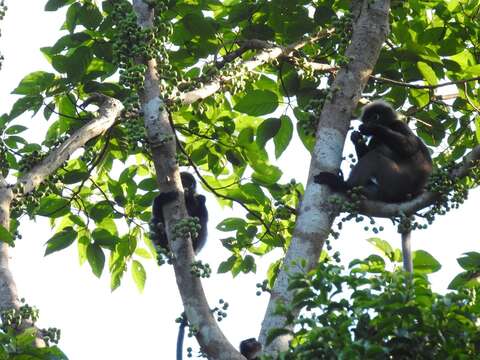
(180, 337)
(407, 251)
(334, 181)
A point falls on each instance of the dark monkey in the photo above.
(195, 204)
(250, 348)
(393, 166)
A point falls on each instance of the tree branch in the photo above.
(314, 221)
(108, 112)
(260, 59)
(386, 210)
(162, 142)
(245, 45)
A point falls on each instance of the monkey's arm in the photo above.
(401, 139)
(196, 208)
(335, 182)
(358, 141)
(157, 222)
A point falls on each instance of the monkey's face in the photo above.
(188, 182)
(378, 113)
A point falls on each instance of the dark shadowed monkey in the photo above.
(251, 349)
(393, 163)
(195, 204)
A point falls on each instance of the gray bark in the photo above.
(161, 137)
(314, 219)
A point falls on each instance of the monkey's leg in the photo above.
(365, 174)
(157, 223)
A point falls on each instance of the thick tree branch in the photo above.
(249, 65)
(108, 112)
(380, 209)
(245, 45)
(162, 141)
(314, 220)
(8, 289)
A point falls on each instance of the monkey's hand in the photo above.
(357, 138)
(367, 129)
(334, 181)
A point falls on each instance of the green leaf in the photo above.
(101, 210)
(323, 15)
(307, 139)
(245, 137)
(53, 206)
(267, 130)
(466, 279)
(104, 238)
(144, 253)
(227, 265)
(198, 25)
(477, 129)
(258, 31)
(419, 97)
(257, 103)
(372, 264)
(53, 5)
(254, 193)
(276, 332)
(248, 264)
(231, 224)
(34, 83)
(96, 259)
(428, 73)
(89, 16)
(266, 175)
(5, 235)
(78, 62)
(61, 240)
(234, 157)
(148, 184)
(139, 275)
(473, 70)
(82, 245)
(283, 136)
(15, 129)
(69, 41)
(471, 261)
(74, 176)
(25, 339)
(425, 263)
(383, 246)
(26, 103)
(72, 15)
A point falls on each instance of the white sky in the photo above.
(98, 324)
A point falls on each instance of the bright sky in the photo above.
(98, 324)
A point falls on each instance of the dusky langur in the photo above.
(195, 204)
(393, 163)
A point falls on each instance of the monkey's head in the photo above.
(250, 348)
(378, 112)
(188, 182)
